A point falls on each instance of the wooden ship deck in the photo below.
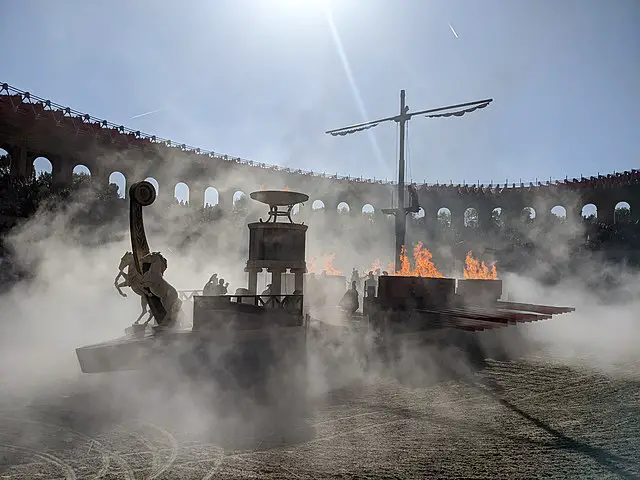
(259, 328)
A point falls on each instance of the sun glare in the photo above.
(300, 4)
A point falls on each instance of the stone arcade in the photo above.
(32, 127)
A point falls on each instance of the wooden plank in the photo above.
(529, 307)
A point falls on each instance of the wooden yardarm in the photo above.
(402, 118)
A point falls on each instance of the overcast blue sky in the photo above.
(263, 79)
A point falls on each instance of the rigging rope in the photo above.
(408, 147)
(395, 170)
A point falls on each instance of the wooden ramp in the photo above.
(502, 314)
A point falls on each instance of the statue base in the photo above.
(136, 330)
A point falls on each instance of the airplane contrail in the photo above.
(453, 31)
(147, 113)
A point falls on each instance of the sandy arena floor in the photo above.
(549, 421)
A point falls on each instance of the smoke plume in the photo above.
(70, 302)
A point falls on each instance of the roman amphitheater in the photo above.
(543, 415)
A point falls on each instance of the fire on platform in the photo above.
(422, 266)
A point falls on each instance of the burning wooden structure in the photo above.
(419, 297)
(465, 304)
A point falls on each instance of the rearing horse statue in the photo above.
(153, 282)
(132, 280)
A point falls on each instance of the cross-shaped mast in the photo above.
(402, 118)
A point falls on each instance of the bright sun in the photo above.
(300, 4)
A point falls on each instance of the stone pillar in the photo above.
(543, 207)
(505, 216)
(196, 196)
(225, 200)
(457, 220)
(485, 219)
(276, 280)
(606, 211)
(574, 214)
(21, 162)
(429, 223)
(168, 191)
(99, 175)
(62, 174)
(298, 278)
(253, 279)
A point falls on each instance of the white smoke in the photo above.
(71, 302)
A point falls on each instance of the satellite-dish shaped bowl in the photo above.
(279, 198)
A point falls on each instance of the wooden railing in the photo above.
(292, 303)
(187, 295)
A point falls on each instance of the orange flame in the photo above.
(311, 265)
(285, 188)
(405, 265)
(476, 270)
(328, 267)
(262, 187)
(424, 266)
(376, 265)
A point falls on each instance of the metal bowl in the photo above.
(279, 198)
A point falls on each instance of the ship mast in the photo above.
(402, 118)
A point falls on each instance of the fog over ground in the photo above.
(72, 302)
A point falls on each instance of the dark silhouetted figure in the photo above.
(220, 289)
(266, 294)
(355, 276)
(291, 303)
(350, 302)
(370, 282)
(211, 285)
(414, 205)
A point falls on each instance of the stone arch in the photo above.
(497, 216)
(528, 214)
(444, 216)
(118, 179)
(317, 205)
(81, 169)
(622, 212)
(155, 184)
(239, 199)
(559, 212)
(4, 158)
(343, 208)
(471, 218)
(368, 209)
(590, 212)
(42, 165)
(419, 214)
(181, 192)
(211, 197)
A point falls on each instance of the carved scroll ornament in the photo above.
(142, 194)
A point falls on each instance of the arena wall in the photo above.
(31, 127)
